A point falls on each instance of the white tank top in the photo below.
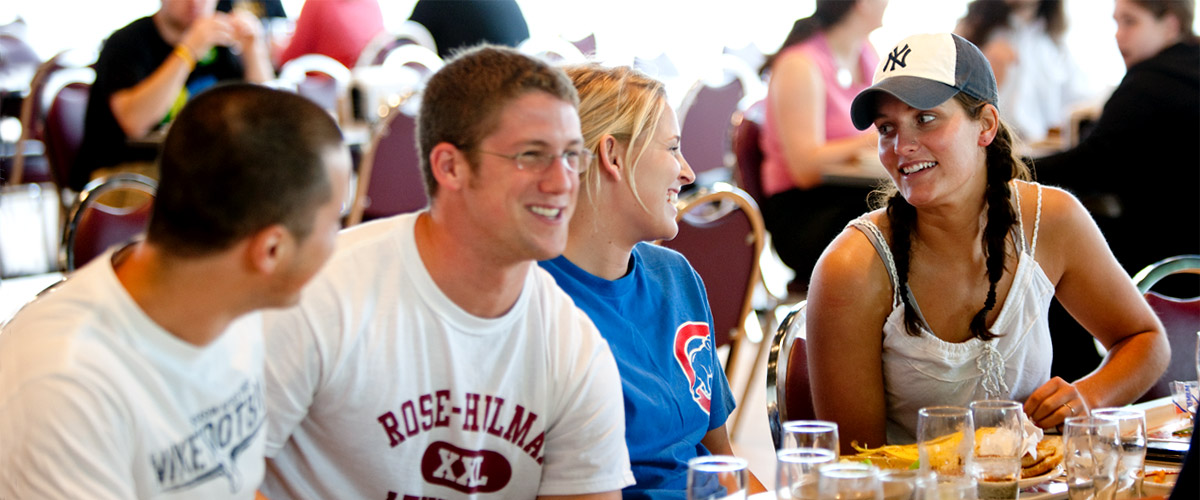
(925, 370)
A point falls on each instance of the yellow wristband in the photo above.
(185, 54)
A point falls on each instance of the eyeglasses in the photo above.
(577, 160)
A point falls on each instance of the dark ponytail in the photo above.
(828, 13)
(1002, 167)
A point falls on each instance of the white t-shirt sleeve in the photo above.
(293, 365)
(585, 446)
(60, 439)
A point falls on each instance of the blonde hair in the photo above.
(622, 102)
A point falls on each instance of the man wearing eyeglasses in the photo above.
(432, 358)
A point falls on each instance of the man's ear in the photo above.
(612, 157)
(990, 121)
(268, 248)
(449, 165)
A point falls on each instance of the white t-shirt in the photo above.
(1043, 85)
(99, 402)
(379, 386)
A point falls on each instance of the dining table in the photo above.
(1162, 417)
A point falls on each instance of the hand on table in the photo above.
(1054, 402)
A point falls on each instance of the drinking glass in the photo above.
(849, 481)
(945, 444)
(1092, 450)
(811, 434)
(908, 484)
(998, 451)
(1131, 433)
(796, 474)
(715, 477)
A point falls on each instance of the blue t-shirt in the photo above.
(657, 321)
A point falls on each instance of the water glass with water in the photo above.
(849, 481)
(1131, 432)
(1092, 452)
(908, 484)
(717, 477)
(811, 434)
(946, 443)
(796, 474)
(999, 437)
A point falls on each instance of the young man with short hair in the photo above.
(141, 375)
(433, 357)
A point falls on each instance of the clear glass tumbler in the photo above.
(796, 473)
(716, 477)
(946, 443)
(1092, 451)
(849, 481)
(999, 436)
(1131, 431)
(811, 434)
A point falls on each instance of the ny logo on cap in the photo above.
(896, 58)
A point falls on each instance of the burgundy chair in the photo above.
(706, 124)
(63, 133)
(789, 393)
(721, 235)
(390, 180)
(320, 78)
(1180, 317)
(408, 33)
(93, 225)
(65, 68)
(747, 152)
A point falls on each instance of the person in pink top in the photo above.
(340, 29)
(825, 61)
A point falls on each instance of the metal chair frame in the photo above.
(790, 330)
(87, 199)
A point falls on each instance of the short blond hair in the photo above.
(622, 102)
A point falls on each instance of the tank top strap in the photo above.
(1037, 219)
(875, 236)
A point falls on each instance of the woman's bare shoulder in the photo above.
(851, 264)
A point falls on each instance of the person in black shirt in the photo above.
(148, 70)
(1142, 153)
(456, 24)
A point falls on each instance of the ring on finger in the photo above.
(1069, 407)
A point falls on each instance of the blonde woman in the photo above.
(646, 300)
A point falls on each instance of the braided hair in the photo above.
(1002, 166)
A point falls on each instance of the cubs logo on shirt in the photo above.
(693, 348)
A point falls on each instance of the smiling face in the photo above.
(934, 156)
(660, 173)
(522, 215)
(1139, 34)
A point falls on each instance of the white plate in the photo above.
(1030, 482)
(1151, 488)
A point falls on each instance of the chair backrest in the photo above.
(18, 63)
(408, 33)
(109, 211)
(390, 180)
(64, 129)
(721, 234)
(747, 152)
(320, 78)
(707, 112)
(1179, 316)
(66, 67)
(789, 395)
(554, 49)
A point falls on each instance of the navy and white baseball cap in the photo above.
(924, 71)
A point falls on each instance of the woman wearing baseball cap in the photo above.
(939, 296)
